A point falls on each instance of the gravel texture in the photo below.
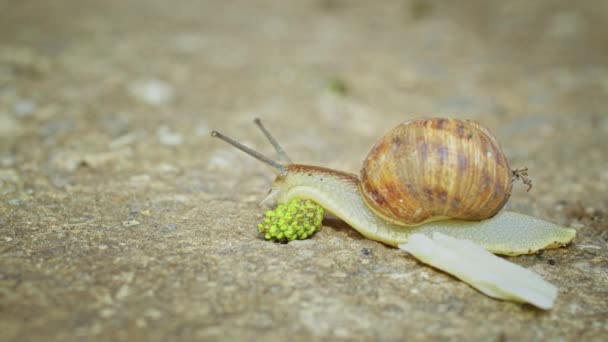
(121, 219)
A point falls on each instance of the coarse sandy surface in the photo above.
(121, 219)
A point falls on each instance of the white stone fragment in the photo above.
(167, 137)
(153, 92)
(140, 180)
(125, 139)
(123, 292)
(24, 108)
(130, 223)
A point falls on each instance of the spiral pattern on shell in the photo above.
(428, 169)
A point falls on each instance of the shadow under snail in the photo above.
(424, 176)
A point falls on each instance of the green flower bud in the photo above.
(297, 219)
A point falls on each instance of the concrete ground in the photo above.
(121, 219)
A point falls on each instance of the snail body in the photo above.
(358, 203)
(338, 192)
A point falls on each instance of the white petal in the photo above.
(494, 276)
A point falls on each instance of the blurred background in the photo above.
(86, 73)
(106, 109)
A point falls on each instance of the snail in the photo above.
(434, 175)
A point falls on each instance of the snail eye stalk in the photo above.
(277, 147)
(257, 155)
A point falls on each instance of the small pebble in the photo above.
(153, 314)
(55, 128)
(171, 198)
(140, 180)
(169, 227)
(123, 292)
(167, 168)
(167, 137)
(130, 223)
(96, 160)
(60, 181)
(24, 108)
(152, 92)
(577, 225)
(125, 139)
(106, 313)
(116, 124)
(65, 161)
(15, 202)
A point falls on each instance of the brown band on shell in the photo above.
(442, 153)
(424, 149)
(460, 129)
(463, 162)
(313, 170)
(396, 142)
(439, 123)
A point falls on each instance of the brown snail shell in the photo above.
(431, 169)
